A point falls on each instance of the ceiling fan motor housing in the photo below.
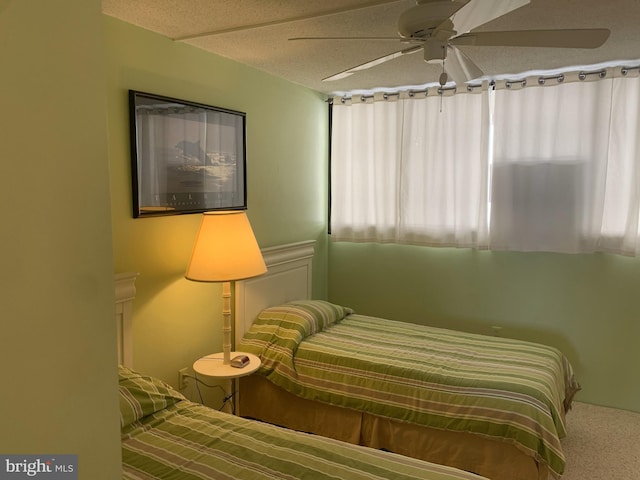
(420, 21)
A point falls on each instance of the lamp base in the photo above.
(226, 323)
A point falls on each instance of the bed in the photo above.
(489, 405)
(166, 436)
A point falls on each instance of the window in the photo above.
(545, 167)
(396, 164)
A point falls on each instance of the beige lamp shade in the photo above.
(225, 249)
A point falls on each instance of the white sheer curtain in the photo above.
(538, 168)
(549, 167)
(412, 170)
(366, 171)
(621, 210)
(565, 175)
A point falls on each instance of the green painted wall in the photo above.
(586, 305)
(57, 347)
(177, 321)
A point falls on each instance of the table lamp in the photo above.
(225, 250)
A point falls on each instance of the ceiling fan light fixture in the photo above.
(435, 52)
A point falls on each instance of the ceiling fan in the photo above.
(438, 27)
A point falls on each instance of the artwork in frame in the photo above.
(186, 157)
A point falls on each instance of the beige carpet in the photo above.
(602, 444)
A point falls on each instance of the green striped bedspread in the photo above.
(187, 441)
(496, 387)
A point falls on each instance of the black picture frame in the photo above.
(186, 157)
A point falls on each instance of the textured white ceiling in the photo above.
(268, 48)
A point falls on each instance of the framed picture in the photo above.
(185, 157)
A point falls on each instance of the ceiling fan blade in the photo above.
(372, 63)
(325, 13)
(479, 12)
(460, 67)
(573, 38)
(429, 16)
(395, 39)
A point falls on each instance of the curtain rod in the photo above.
(518, 81)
